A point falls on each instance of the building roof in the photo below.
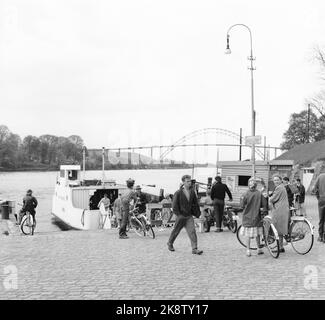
(305, 153)
(257, 163)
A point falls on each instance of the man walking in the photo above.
(218, 193)
(185, 206)
(319, 189)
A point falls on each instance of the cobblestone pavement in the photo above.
(98, 265)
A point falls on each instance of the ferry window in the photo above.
(243, 181)
(73, 174)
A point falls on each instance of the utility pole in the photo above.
(308, 119)
(240, 142)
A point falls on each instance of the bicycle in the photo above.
(269, 238)
(229, 219)
(27, 222)
(140, 224)
(163, 218)
(301, 233)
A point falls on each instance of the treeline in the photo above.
(43, 152)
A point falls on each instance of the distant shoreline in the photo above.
(55, 169)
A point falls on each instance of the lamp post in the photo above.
(251, 68)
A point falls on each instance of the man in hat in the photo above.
(126, 200)
(142, 200)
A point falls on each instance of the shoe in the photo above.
(124, 236)
(170, 247)
(196, 251)
(320, 239)
(259, 252)
(282, 250)
(248, 253)
(218, 230)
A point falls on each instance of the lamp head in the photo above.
(228, 51)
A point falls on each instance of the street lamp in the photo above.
(251, 68)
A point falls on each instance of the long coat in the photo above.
(252, 202)
(280, 209)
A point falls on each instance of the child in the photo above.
(251, 225)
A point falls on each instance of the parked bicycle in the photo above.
(269, 238)
(163, 218)
(140, 224)
(229, 219)
(300, 235)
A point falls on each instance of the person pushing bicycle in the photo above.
(29, 205)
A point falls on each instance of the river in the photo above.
(13, 186)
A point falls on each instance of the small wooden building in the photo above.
(237, 173)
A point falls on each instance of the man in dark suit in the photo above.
(289, 191)
(185, 206)
(300, 195)
(319, 190)
(218, 194)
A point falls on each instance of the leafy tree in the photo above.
(52, 142)
(31, 145)
(299, 132)
(9, 146)
(46, 149)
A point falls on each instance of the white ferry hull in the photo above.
(76, 218)
(72, 200)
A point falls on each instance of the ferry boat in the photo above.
(75, 200)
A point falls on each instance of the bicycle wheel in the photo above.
(231, 223)
(24, 226)
(301, 236)
(206, 225)
(243, 239)
(150, 232)
(271, 239)
(137, 227)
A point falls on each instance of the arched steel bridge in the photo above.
(183, 142)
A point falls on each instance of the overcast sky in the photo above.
(127, 73)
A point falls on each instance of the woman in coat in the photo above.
(251, 224)
(280, 212)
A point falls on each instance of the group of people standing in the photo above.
(256, 204)
(284, 197)
(116, 210)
